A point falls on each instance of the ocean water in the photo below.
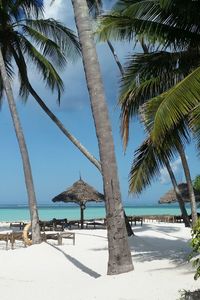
(18, 213)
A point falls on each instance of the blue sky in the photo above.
(56, 163)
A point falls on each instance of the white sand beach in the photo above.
(78, 272)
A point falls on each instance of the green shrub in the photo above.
(195, 243)
(188, 295)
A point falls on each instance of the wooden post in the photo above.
(82, 207)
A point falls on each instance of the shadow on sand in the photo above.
(77, 263)
(166, 246)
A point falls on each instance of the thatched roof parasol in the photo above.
(170, 196)
(80, 192)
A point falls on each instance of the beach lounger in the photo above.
(95, 224)
(60, 224)
(59, 236)
(46, 225)
(73, 223)
(19, 225)
(135, 220)
(16, 236)
(54, 225)
(4, 237)
(67, 235)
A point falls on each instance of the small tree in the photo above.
(196, 183)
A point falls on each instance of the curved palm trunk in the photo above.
(115, 57)
(85, 152)
(53, 117)
(189, 184)
(181, 203)
(119, 253)
(59, 124)
(24, 153)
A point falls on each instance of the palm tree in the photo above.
(154, 20)
(36, 238)
(5, 84)
(119, 253)
(148, 161)
(18, 26)
(157, 72)
(41, 31)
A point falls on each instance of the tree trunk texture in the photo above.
(119, 253)
(189, 184)
(181, 202)
(24, 154)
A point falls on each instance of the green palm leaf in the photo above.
(62, 36)
(171, 107)
(25, 7)
(95, 7)
(171, 28)
(44, 67)
(47, 47)
(149, 75)
(150, 157)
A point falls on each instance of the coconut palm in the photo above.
(24, 153)
(166, 24)
(157, 72)
(119, 253)
(70, 47)
(5, 85)
(148, 160)
(18, 26)
(156, 20)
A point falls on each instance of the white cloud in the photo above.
(60, 10)
(177, 169)
(53, 9)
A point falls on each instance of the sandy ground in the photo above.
(51, 272)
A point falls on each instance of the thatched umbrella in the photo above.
(80, 192)
(170, 196)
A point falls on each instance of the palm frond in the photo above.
(148, 18)
(47, 47)
(26, 8)
(194, 123)
(95, 7)
(44, 67)
(171, 107)
(149, 75)
(150, 157)
(144, 168)
(61, 35)
(22, 71)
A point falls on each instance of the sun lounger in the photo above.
(59, 236)
(135, 220)
(67, 235)
(54, 225)
(95, 224)
(19, 225)
(73, 223)
(46, 225)
(4, 237)
(60, 224)
(16, 236)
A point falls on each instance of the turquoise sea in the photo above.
(19, 213)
